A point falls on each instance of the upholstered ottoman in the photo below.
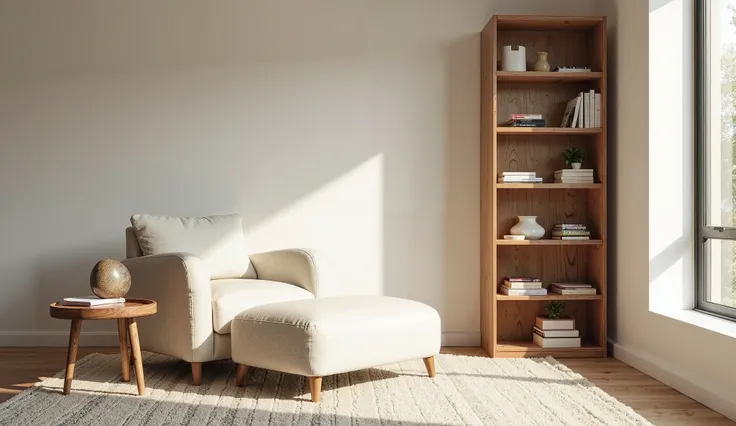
(320, 337)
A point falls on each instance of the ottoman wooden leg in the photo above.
(196, 373)
(429, 363)
(240, 374)
(315, 386)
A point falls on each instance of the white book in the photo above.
(597, 108)
(556, 333)
(532, 174)
(574, 171)
(90, 301)
(592, 108)
(588, 124)
(576, 113)
(524, 292)
(555, 324)
(520, 180)
(581, 121)
(556, 342)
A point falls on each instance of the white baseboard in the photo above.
(461, 338)
(110, 338)
(57, 338)
(677, 379)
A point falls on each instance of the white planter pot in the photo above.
(528, 227)
(576, 165)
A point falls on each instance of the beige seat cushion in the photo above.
(217, 240)
(334, 335)
(231, 297)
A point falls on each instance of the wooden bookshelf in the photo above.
(507, 321)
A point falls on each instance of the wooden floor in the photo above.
(661, 405)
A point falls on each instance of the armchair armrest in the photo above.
(293, 266)
(180, 285)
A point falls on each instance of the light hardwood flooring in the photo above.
(658, 403)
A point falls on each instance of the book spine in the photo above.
(526, 116)
(570, 238)
(597, 102)
(575, 116)
(571, 226)
(571, 233)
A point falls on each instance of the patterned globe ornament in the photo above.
(109, 279)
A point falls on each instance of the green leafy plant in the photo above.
(555, 310)
(573, 155)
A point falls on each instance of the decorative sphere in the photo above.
(109, 279)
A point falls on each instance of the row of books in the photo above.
(583, 111)
(532, 286)
(570, 231)
(574, 176)
(556, 333)
(525, 120)
(519, 177)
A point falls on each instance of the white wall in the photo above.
(352, 127)
(651, 140)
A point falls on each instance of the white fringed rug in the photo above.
(467, 390)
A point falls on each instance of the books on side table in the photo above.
(90, 301)
(556, 333)
(572, 289)
(522, 286)
(519, 177)
(525, 120)
(570, 231)
(574, 176)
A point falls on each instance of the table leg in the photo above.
(130, 346)
(123, 340)
(71, 355)
(135, 343)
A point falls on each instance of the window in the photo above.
(715, 53)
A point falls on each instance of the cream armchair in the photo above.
(195, 311)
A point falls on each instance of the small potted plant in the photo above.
(555, 310)
(573, 157)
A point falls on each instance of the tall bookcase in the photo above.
(507, 321)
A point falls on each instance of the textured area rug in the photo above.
(467, 390)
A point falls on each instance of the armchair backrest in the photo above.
(132, 248)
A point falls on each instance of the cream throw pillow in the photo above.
(217, 240)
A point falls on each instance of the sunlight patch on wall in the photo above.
(343, 220)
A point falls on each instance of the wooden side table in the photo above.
(125, 313)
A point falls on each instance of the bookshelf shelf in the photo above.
(548, 242)
(507, 322)
(549, 186)
(546, 131)
(516, 349)
(505, 297)
(546, 77)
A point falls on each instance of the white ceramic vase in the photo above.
(513, 60)
(528, 227)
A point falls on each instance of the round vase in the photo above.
(541, 64)
(576, 165)
(528, 227)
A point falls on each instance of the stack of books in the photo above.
(523, 286)
(572, 288)
(519, 177)
(583, 111)
(556, 333)
(574, 176)
(570, 231)
(525, 120)
(90, 301)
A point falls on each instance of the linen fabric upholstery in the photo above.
(217, 240)
(233, 296)
(334, 335)
(293, 266)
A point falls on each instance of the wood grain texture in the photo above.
(516, 319)
(658, 403)
(546, 131)
(527, 349)
(545, 77)
(71, 355)
(137, 358)
(544, 155)
(315, 387)
(541, 23)
(548, 185)
(132, 308)
(123, 342)
(548, 99)
(564, 48)
(429, 365)
(505, 297)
